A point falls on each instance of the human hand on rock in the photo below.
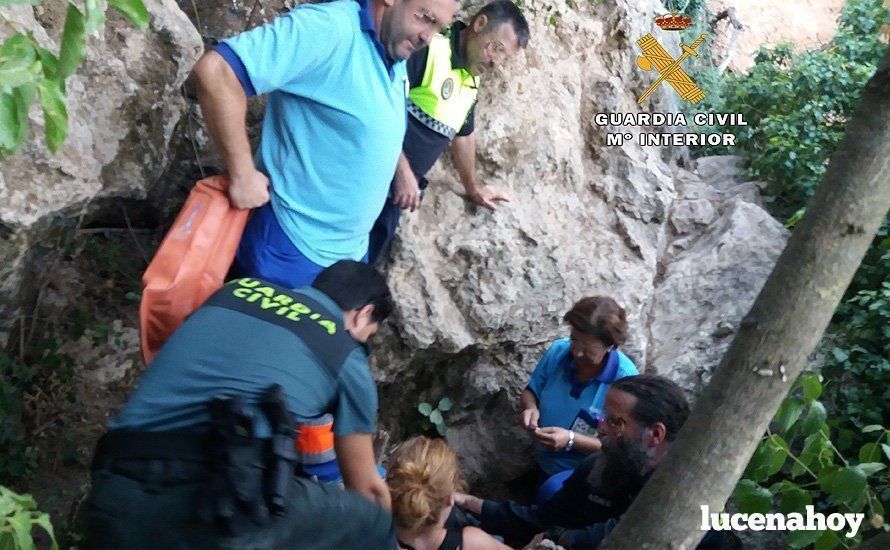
(486, 196)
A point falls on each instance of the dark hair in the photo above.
(658, 400)
(353, 285)
(504, 11)
(601, 317)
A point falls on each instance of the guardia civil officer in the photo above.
(202, 454)
(444, 78)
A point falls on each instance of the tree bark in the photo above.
(775, 338)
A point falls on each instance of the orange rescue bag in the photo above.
(191, 263)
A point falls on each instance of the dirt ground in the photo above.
(83, 345)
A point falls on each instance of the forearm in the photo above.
(469, 503)
(355, 456)
(224, 106)
(463, 152)
(403, 165)
(510, 519)
(375, 490)
(528, 400)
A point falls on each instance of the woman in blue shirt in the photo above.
(563, 403)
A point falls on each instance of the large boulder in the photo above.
(480, 295)
(123, 105)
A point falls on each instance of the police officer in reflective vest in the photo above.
(203, 453)
(444, 79)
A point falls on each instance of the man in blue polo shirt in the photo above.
(333, 128)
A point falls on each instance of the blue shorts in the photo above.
(266, 252)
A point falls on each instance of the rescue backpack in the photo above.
(191, 263)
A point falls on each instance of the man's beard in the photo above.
(625, 466)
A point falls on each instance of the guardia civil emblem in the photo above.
(447, 88)
(654, 55)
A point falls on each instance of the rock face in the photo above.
(123, 106)
(480, 295)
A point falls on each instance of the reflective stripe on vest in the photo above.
(445, 95)
(315, 441)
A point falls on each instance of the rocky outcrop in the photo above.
(723, 246)
(123, 105)
(480, 295)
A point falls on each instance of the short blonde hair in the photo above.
(423, 476)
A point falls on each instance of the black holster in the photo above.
(283, 455)
(248, 475)
(236, 467)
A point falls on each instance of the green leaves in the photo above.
(802, 539)
(18, 62)
(768, 459)
(434, 416)
(812, 388)
(795, 499)
(14, 117)
(134, 10)
(870, 452)
(18, 515)
(73, 47)
(49, 62)
(814, 419)
(848, 484)
(95, 16)
(28, 70)
(55, 113)
(869, 468)
(788, 414)
(752, 498)
(802, 466)
(797, 104)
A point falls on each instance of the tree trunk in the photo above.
(775, 338)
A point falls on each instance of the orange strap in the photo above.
(315, 439)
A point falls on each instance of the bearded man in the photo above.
(644, 413)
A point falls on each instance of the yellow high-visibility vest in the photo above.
(445, 96)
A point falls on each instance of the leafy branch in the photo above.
(28, 71)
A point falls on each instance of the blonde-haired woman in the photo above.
(422, 478)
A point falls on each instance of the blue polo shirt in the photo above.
(334, 122)
(218, 351)
(569, 404)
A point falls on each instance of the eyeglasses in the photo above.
(595, 351)
(616, 425)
